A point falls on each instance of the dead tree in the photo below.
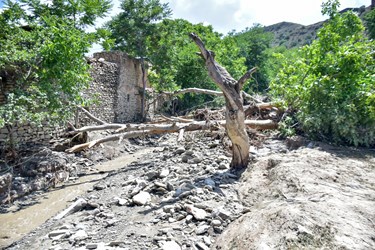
(234, 114)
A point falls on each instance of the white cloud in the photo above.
(226, 15)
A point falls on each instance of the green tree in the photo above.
(370, 23)
(42, 53)
(254, 43)
(143, 30)
(331, 82)
(135, 29)
(176, 64)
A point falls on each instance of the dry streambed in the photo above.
(184, 197)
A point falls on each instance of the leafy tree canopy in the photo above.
(177, 65)
(143, 30)
(135, 27)
(254, 44)
(42, 53)
(370, 23)
(331, 82)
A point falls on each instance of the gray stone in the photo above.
(58, 232)
(199, 214)
(185, 158)
(202, 229)
(100, 186)
(189, 152)
(209, 182)
(121, 202)
(111, 222)
(159, 184)
(142, 198)
(207, 240)
(79, 235)
(76, 206)
(189, 218)
(202, 246)
(221, 158)
(152, 175)
(170, 245)
(91, 245)
(223, 166)
(164, 173)
(223, 214)
(180, 150)
(216, 223)
(171, 220)
(187, 186)
(197, 159)
(168, 208)
(115, 243)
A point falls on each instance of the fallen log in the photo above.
(245, 95)
(152, 129)
(251, 109)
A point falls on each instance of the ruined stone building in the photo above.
(117, 85)
(116, 89)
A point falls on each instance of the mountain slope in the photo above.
(295, 35)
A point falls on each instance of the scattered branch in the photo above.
(152, 129)
(246, 77)
(91, 116)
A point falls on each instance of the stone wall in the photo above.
(23, 133)
(116, 89)
(102, 90)
(128, 98)
(30, 134)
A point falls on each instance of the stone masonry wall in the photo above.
(116, 85)
(103, 90)
(23, 133)
(30, 134)
(128, 108)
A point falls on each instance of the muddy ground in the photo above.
(184, 196)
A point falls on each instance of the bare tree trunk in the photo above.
(234, 114)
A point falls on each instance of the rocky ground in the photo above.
(184, 196)
(38, 168)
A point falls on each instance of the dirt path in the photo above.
(16, 225)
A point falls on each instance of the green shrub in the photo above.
(332, 82)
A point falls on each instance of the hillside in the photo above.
(295, 35)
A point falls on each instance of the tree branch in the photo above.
(91, 116)
(195, 90)
(218, 73)
(246, 77)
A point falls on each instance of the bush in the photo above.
(331, 83)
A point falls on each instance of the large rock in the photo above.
(5, 181)
(199, 214)
(170, 245)
(142, 198)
